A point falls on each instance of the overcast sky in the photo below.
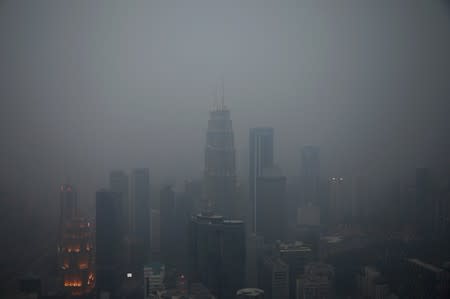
(89, 86)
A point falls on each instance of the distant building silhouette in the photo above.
(309, 174)
(253, 258)
(217, 254)
(108, 242)
(260, 157)
(75, 246)
(119, 183)
(154, 274)
(274, 278)
(68, 204)
(140, 195)
(220, 164)
(296, 255)
(316, 283)
(271, 206)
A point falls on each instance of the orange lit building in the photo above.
(76, 257)
(75, 247)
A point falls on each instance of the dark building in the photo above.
(217, 254)
(271, 207)
(274, 278)
(118, 182)
(296, 256)
(309, 174)
(108, 241)
(76, 257)
(167, 225)
(140, 197)
(220, 164)
(68, 204)
(260, 157)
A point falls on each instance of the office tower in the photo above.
(274, 278)
(271, 205)
(108, 241)
(75, 254)
(250, 293)
(140, 196)
(260, 157)
(309, 174)
(118, 182)
(217, 254)
(220, 164)
(338, 201)
(76, 257)
(296, 256)
(317, 282)
(68, 204)
(168, 221)
(255, 251)
(153, 279)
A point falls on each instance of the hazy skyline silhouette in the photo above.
(87, 87)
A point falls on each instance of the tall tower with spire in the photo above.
(220, 163)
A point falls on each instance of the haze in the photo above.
(90, 86)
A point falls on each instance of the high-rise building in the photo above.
(255, 251)
(296, 256)
(217, 254)
(260, 157)
(274, 278)
(119, 183)
(154, 274)
(220, 164)
(309, 175)
(140, 197)
(339, 203)
(167, 225)
(108, 242)
(271, 205)
(76, 257)
(316, 283)
(68, 204)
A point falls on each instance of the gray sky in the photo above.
(87, 86)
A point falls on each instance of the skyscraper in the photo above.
(68, 204)
(217, 254)
(140, 196)
(260, 157)
(220, 164)
(75, 246)
(108, 241)
(271, 207)
(274, 278)
(309, 174)
(118, 182)
(76, 258)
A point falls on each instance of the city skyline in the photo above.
(225, 149)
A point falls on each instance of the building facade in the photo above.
(220, 164)
(217, 254)
(261, 153)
